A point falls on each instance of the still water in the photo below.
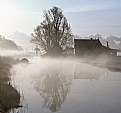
(65, 86)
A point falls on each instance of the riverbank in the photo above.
(111, 63)
(9, 96)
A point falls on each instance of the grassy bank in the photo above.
(9, 96)
(111, 63)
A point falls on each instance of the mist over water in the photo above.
(12, 53)
(66, 86)
(9, 53)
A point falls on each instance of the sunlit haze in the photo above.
(53, 64)
(85, 17)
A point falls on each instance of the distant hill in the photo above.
(21, 39)
(6, 44)
(114, 42)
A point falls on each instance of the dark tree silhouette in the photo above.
(54, 30)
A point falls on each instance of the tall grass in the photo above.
(9, 96)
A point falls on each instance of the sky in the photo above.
(86, 17)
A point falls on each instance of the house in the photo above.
(68, 51)
(92, 47)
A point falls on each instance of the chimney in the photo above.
(107, 45)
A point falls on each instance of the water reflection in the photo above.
(53, 84)
(54, 80)
(49, 82)
(86, 71)
(112, 66)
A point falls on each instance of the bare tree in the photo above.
(53, 30)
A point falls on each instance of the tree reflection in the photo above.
(53, 85)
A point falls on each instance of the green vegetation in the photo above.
(9, 96)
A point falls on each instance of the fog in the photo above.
(54, 85)
(66, 84)
(10, 52)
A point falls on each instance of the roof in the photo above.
(87, 42)
(84, 46)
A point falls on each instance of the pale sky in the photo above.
(86, 17)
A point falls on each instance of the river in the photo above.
(66, 86)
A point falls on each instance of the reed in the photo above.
(9, 96)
